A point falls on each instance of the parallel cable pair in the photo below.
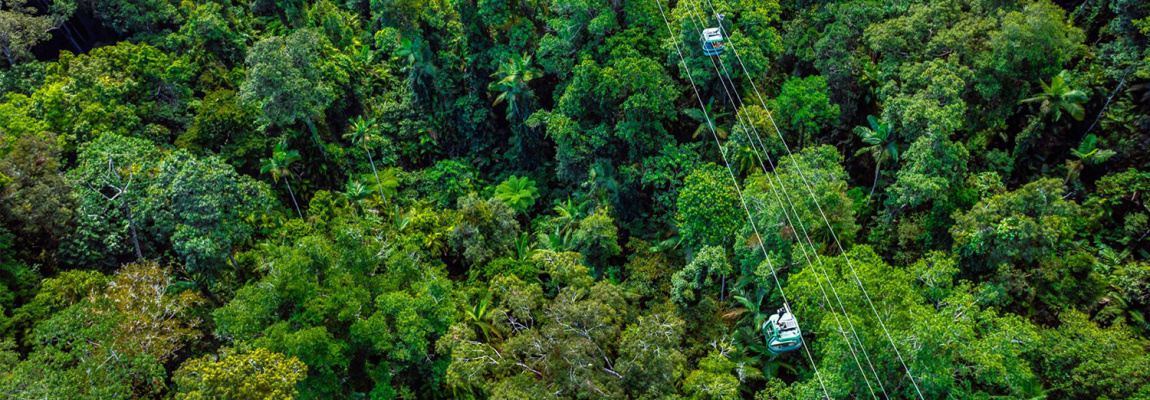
(807, 184)
(735, 182)
(738, 103)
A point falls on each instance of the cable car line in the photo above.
(838, 243)
(775, 190)
(734, 181)
(803, 228)
(739, 118)
(773, 329)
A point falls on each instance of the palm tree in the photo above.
(742, 154)
(278, 166)
(362, 132)
(870, 79)
(511, 81)
(882, 146)
(1087, 153)
(756, 360)
(360, 62)
(748, 309)
(1058, 97)
(569, 212)
(517, 192)
(525, 247)
(700, 116)
(355, 190)
(420, 65)
(478, 316)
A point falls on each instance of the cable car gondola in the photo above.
(712, 41)
(782, 332)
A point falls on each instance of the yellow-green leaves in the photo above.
(518, 192)
(708, 208)
(258, 374)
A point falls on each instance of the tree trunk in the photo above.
(132, 229)
(531, 141)
(877, 169)
(376, 173)
(8, 54)
(311, 128)
(207, 292)
(1072, 170)
(71, 38)
(292, 193)
(234, 263)
(723, 290)
(315, 138)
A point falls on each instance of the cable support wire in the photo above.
(775, 190)
(734, 181)
(807, 185)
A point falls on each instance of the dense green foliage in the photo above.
(492, 199)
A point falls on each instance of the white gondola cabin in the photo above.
(782, 332)
(712, 41)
